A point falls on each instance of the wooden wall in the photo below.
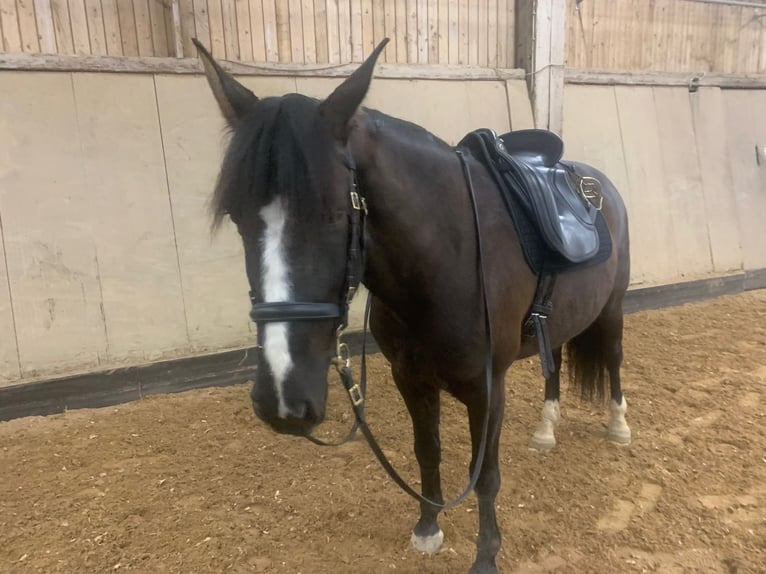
(470, 32)
(666, 35)
(87, 27)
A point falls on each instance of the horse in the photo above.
(326, 194)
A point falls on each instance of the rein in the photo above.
(301, 311)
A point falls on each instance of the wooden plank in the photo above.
(746, 130)
(492, 29)
(64, 42)
(245, 29)
(412, 32)
(191, 27)
(9, 25)
(344, 31)
(389, 54)
(601, 77)
(230, 29)
(309, 32)
(127, 28)
(174, 29)
(138, 65)
(112, 33)
(95, 20)
(378, 24)
(28, 26)
(142, 296)
(51, 267)
(504, 35)
(402, 45)
(442, 33)
(357, 48)
(473, 33)
(463, 39)
(258, 31)
(454, 33)
(320, 27)
(422, 31)
(45, 30)
(654, 248)
(333, 35)
(710, 130)
(158, 18)
(217, 32)
(143, 27)
(199, 22)
(296, 32)
(79, 23)
(282, 15)
(368, 28)
(116, 386)
(270, 32)
(481, 36)
(683, 180)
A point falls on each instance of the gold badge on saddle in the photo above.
(590, 190)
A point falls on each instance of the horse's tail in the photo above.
(587, 363)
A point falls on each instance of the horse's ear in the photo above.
(341, 105)
(234, 99)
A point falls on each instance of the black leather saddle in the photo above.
(563, 205)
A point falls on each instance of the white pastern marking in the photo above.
(275, 285)
(544, 437)
(428, 544)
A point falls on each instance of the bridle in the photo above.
(283, 311)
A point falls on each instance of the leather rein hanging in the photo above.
(302, 311)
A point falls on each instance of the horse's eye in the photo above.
(336, 217)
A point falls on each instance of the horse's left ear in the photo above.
(234, 99)
(341, 105)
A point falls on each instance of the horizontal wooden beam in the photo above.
(615, 78)
(55, 63)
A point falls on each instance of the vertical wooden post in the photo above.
(540, 50)
(177, 37)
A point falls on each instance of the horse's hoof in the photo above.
(484, 568)
(542, 443)
(620, 436)
(427, 544)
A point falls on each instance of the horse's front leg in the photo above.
(488, 485)
(422, 402)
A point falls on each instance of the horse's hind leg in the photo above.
(618, 430)
(422, 402)
(544, 439)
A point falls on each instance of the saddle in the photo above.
(562, 205)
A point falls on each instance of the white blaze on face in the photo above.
(275, 285)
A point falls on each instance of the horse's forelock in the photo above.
(278, 149)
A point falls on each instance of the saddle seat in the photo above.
(527, 164)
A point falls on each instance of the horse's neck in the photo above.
(416, 192)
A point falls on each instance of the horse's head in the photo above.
(285, 182)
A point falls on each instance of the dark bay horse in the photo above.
(288, 182)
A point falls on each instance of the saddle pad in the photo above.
(537, 253)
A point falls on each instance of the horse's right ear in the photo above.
(234, 99)
(341, 105)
